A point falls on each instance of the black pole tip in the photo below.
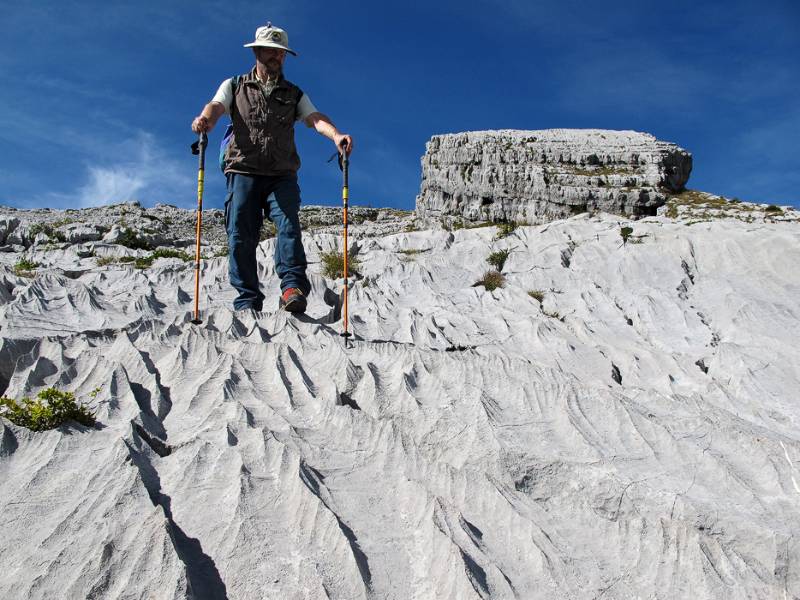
(196, 321)
(346, 334)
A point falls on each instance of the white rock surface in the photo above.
(637, 435)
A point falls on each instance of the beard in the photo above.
(272, 67)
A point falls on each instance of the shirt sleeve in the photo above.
(224, 95)
(305, 107)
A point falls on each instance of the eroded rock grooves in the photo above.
(615, 422)
(537, 176)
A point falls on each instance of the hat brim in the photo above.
(270, 45)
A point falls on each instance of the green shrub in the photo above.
(625, 233)
(50, 409)
(774, 209)
(498, 259)
(333, 264)
(25, 268)
(537, 295)
(491, 280)
(38, 228)
(129, 238)
(102, 261)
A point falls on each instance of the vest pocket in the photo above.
(284, 109)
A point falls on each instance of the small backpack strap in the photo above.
(234, 86)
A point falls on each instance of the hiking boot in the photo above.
(293, 300)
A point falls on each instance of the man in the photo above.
(261, 164)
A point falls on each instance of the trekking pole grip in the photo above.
(345, 160)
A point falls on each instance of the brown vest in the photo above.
(263, 128)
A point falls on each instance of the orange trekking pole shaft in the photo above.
(199, 147)
(345, 200)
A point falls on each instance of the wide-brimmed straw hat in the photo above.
(270, 36)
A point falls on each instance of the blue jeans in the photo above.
(249, 198)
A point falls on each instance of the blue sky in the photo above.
(97, 97)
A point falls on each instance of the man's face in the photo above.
(271, 58)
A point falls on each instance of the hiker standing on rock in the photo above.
(261, 163)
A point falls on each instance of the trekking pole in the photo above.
(345, 161)
(199, 147)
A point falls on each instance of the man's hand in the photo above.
(205, 121)
(342, 140)
(200, 124)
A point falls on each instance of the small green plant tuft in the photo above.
(410, 252)
(25, 268)
(491, 280)
(774, 209)
(498, 259)
(625, 233)
(333, 264)
(506, 229)
(537, 295)
(147, 261)
(50, 409)
(672, 210)
(268, 231)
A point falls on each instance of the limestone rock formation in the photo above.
(616, 421)
(132, 225)
(538, 176)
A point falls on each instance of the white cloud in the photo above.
(110, 185)
(142, 172)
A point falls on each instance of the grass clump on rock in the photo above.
(491, 280)
(506, 229)
(147, 261)
(333, 264)
(498, 259)
(25, 268)
(268, 231)
(50, 409)
(537, 295)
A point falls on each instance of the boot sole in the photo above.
(297, 305)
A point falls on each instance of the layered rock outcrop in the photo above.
(538, 176)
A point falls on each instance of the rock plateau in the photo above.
(537, 176)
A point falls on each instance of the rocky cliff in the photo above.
(538, 176)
